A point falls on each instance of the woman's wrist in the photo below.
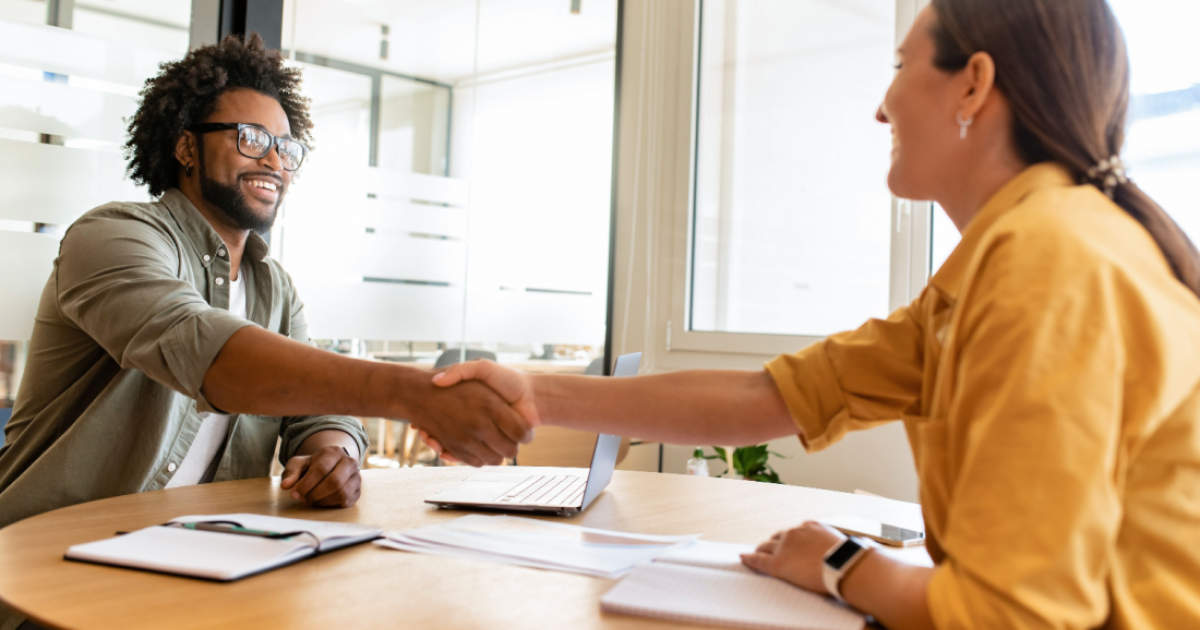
(889, 590)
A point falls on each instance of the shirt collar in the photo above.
(949, 278)
(201, 234)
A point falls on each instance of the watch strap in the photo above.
(832, 577)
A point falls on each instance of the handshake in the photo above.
(478, 413)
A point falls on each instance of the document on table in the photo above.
(734, 599)
(535, 543)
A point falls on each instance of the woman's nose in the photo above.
(881, 114)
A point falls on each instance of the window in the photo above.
(792, 211)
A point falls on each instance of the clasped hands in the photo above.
(794, 555)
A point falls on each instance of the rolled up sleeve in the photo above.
(853, 380)
(119, 280)
(1035, 425)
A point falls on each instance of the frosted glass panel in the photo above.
(69, 53)
(373, 310)
(540, 189)
(27, 260)
(64, 110)
(792, 211)
(52, 184)
(414, 218)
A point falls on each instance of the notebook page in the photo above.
(724, 598)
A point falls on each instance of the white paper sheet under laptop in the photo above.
(554, 490)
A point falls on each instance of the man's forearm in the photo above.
(264, 373)
(700, 406)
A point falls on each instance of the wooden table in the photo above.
(370, 587)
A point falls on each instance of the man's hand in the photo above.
(515, 387)
(796, 555)
(472, 423)
(326, 478)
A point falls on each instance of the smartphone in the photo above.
(879, 532)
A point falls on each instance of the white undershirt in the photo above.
(214, 426)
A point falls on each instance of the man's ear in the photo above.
(980, 78)
(186, 151)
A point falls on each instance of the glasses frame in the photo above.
(211, 127)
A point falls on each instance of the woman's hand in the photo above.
(514, 387)
(796, 555)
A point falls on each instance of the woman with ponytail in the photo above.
(1048, 378)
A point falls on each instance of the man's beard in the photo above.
(231, 201)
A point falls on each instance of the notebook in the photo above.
(734, 599)
(222, 556)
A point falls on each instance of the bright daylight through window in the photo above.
(1162, 146)
(792, 210)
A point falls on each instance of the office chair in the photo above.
(453, 355)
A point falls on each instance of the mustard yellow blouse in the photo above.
(1048, 381)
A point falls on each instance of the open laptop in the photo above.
(561, 491)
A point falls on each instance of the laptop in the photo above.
(562, 491)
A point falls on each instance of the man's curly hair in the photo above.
(185, 92)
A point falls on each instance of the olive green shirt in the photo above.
(131, 318)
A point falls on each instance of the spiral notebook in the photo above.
(223, 557)
(733, 599)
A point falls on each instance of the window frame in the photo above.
(655, 201)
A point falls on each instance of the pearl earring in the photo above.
(963, 125)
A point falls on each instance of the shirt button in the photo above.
(220, 252)
(207, 258)
(171, 467)
(220, 281)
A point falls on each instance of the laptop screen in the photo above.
(604, 458)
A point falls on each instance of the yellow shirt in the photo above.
(1048, 381)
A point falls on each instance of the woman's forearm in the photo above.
(693, 407)
(891, 591)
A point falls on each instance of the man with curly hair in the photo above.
(169, 349)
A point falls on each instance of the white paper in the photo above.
(710, 555)
(531, 542)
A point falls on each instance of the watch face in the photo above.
(843, 554)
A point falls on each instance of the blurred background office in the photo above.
(460, 203)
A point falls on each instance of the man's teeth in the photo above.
(261, 184)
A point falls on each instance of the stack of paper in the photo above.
(534, 543)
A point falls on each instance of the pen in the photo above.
(235, 529)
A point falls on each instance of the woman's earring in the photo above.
(963, 124)
(188, 169)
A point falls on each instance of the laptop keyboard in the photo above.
(557, 490)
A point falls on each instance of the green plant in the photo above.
(749, 462)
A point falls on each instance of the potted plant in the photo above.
(749, 462)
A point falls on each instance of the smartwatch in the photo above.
(839, 560)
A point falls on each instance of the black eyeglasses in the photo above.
(255, 142)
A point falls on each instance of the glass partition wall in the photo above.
(457, 202)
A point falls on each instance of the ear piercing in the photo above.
(963, 125)
(188, 170)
